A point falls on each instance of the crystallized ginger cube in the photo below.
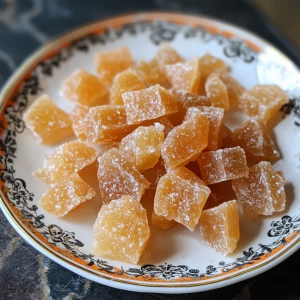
(258, 145)
(263, 101)
(180, 196)
(117, 177)
(48, 123)
(125, 81)
(142, 146)
(215, 116)
(219, 227)
(65, 160)
(222, 165)
(105, 123)
(121, 230)
(262, 192)
(184, 75)
(161, 222)
(67, 194)
(77, 116)
(148, 104)
(216, 91)
(185, 142)
(84, 88)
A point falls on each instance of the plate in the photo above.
(176, 261)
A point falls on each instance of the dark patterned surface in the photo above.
(26, 274)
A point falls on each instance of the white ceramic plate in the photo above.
(180, 261)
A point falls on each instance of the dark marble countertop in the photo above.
(27, 24)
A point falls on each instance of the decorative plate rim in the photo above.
(31, 62)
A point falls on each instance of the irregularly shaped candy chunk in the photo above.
(258, 145)
(121, 230)
(142, 146)
(148, 104)
(65, 160)
(77, 116)
(105, 123)
(219, 227)
(262, 192)
(216, 91)
(66, 195)
(185, 142)
(112, 62)
(215, 116)
(118, 177)
(222, 165)
(84, 88)
(125, 81)
(263, 101)
(184, 75)
(48, 123)
(161, 222)
(186, 100)
(180, 196)
(234, 89)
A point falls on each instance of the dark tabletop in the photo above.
(27, 24)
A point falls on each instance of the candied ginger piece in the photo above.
(121, 230)
(65, 160)
(222, 165)
(185, 142)
(48, 123)
(215, 116)
(110, 63)
(117, 177)
(142, 146)
(262, 192)
(220, 192)
(219, 227)
(150, 73)
(263, 101)
(225, 140)
(216, 91)
(77, 116)
(186, 100)
(148, 104)
(84, 88)
(166, 55)
(180, 196)
(67, 194)
(105, 123)
(258, 145)
(184, 75)
(125, 81)
(161, 222)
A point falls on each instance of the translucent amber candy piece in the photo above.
(219, 227)
(105, 123)
(110, 63)
(186, 100)
(121, 230)
(258, 145)
(65, 160)
(142, 146)
(148, 104)
(215, 116)
(184, 75)
(48, 123)
(161, 222)
(222, 165)
(84, 88)
(117, 177)
(180, 196)
(66, 195)
(185, 142)
(77, 116)
(216, 91)
(263, 101)
(125, 81)
(262, 192)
